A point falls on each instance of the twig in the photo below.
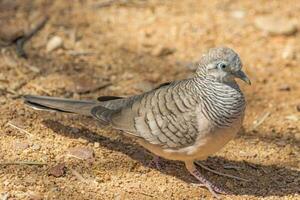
(19, 129)
(78, 176)
(20, 42)
(261, 120)
(22, 163)
(219, 173)
(231, 167)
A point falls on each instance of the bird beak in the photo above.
(241, 75)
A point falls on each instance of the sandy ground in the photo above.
(129, 47)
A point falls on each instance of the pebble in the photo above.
(288, 52)
(36, 147)
(58, 170)
(96, 144)
(281, 143)
(285, 87)
(81, 153)
(275, 26)
(54, 43)
(21, 145)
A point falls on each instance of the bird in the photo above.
(185, 120)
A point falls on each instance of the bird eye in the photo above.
(222, 65)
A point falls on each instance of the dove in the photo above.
(185, 120)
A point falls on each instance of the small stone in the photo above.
(35, 196)
(288, 52)
(96, 144)
(81, 153)
(281, 143)
(36, 147)
(58, 170)
(54, 43)
(275, 25)
(21, 145)
(285, 88)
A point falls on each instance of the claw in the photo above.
(214, 190)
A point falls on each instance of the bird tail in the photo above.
(60, 104)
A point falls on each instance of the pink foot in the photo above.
(206, 183)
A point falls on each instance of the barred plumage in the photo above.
(222, 103)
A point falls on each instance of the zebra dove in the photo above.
(185, 120)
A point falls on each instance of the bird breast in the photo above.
(222, 105)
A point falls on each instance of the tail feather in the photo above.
(60, 104)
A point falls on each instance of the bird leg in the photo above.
(219, 173)
(155, 162)
(204, 182)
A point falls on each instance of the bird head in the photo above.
(222, 64)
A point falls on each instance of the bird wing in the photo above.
(165, 116)
(117, 102)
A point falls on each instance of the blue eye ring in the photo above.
(222, 65)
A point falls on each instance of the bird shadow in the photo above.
(264, 180)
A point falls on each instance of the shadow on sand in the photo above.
(265, 180)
